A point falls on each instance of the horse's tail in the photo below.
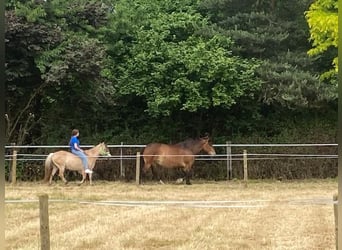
(142, 164)
(48, 167)
(142, 155)
(141, 160)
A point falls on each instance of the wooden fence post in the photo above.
(44, 221)
(122, 169)
(229, 160)
(245, 170)
(137, 169)
(14, 165)
(335, 199)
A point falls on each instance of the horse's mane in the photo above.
(190, 141)
(186, 143)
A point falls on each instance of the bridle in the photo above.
(103, 151)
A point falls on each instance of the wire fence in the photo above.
(217, 157)
(265, 160)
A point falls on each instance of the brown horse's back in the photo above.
(169, 156)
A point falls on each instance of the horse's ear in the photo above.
(206, 135)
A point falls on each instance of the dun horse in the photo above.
(62, 160)
(180, 155)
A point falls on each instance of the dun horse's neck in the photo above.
(93, 151)
(93, 154)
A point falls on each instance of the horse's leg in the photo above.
(160, 174)
(156, 173)
(147, 165)
(90, 178)
(84, 176)
(61, 174)
(181, 175)
(54, 170)
(187, 176)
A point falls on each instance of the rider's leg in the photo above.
(83, 158)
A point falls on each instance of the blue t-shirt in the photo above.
(74, 140)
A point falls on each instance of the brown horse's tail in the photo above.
(48, 167)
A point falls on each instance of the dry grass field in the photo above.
(205, 215)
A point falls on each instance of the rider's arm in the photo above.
(77, 147)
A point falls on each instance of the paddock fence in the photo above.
(232, 161)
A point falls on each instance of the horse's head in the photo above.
(104, 151)
(207, 147)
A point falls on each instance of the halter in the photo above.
(103, 151)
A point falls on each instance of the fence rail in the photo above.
(218, 157)
(214, 145)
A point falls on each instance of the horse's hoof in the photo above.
(179, 181)
(161, 182)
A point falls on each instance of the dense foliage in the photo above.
(147, 70)
(322, 18)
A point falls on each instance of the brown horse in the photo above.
(180, 155)
(62, 160)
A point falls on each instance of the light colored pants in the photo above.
(82, 156)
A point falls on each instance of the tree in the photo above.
(24, 42)
(276, 33)
(177, 62)
(142, 70)
(322, 18)
(52, 52)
